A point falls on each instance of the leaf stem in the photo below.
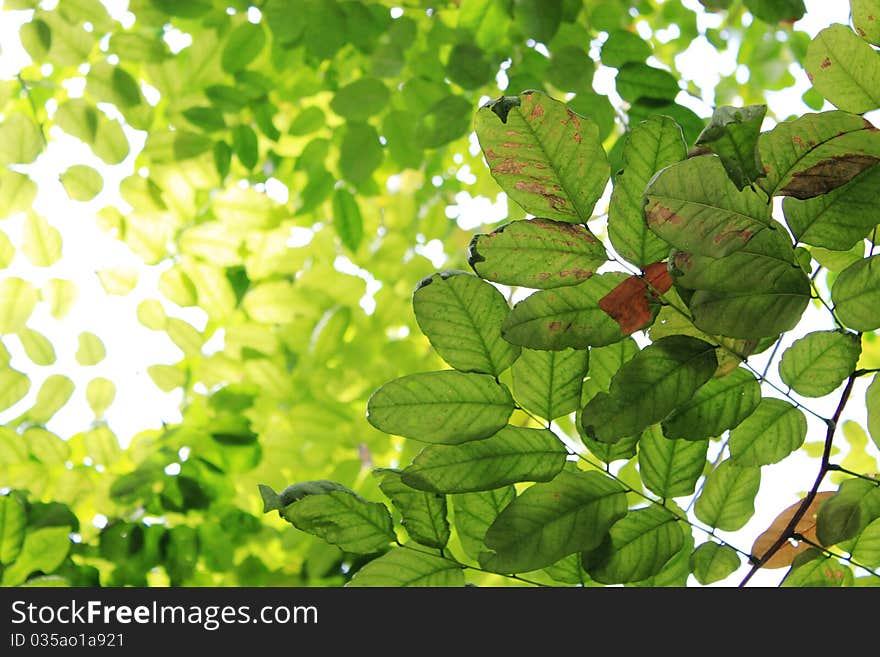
(840, 468)
(831, 553)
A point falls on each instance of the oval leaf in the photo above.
(816, 364)
(671, 468)
(856, 294)
(712, 562)
(728, 498)
(768, 435)
(403, 566)
(548, 383)
(424, 514)
(844, 69)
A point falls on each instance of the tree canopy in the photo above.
(461, 291)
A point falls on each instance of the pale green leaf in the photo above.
(151, 314)
(712, 562)
(475, 512)
(866, 550)
(20, 139)
(13, 386)
(844, 69)
(18, 298)
(100, 393)
(548, 383)
(37, 347)
(856, 294)
(402, 566)
(347, 219)
(772, 432)
(41, 242)
(728, 498)
(91, 349)
(243, 45)
(81, 182)
(872, 403)
(52, 396)
(812, 569)
(866, 19)
(61, 295)
(17, 192)
(816, 364)
(423, 513)
(671, 468)
(80, 119)
(13, 523)
(361, 99)
(42, 550)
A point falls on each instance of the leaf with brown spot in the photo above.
(547, 158)
(805, 527)
(632, 303)
(844, 69)
(817, 153)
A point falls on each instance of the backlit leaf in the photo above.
(865, 19)
(671, 468)
(80, 119)
(848, 512)
(20, 138)
(403, 566)
(441, 407)
(100, 393)
(547, 158)
(623, 46)
(347, 219)
(777, 11)
(91, 349)
(537, 253)
(695, 207)
(812, 569)
(732, 134)
(361, 99)
(866, 550)
(424, 513)
(360, 152)
(872, 403)
(638, 81)
(548, 521)
(512, 455)
(772, 432)
(42, 550)
(816, 364)
(18, 298)
(844, 69)
(41, 242)
(13, 523)
(728, 498)
(805, 527)
(52, 396)
(242, 46)
(650, 146)
(475, 512)
(856, 294)
(548, 383)
(712, 562)
(13, 386)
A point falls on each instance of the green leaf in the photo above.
(17, 192)
(637, 81)
(721, 404)
(360, 152)
(309, 120)
(712, 562)
(37, 347)
(816, 364)
(759, 291)
(813, 569)
(41, 242)
(403, 566)
(660, 378)
(52, 396)
(468, 67)
(844, 516)
(42, 550)
(209, 119)
(866, 550)
(20, 139)
(844, 69)
(865, 19)
(547, 158)
(347, 219)
(641, 544)
(872, 403)
(462, 315)
(91, 349)
(537, 253)
(548, 383)
(695, 206)
(622, 47)
(817, 153)
(245, 42)
(361, 99)
(732, 134)
(245, 146)
(341, 518)
(82, 183)
(728, 498)
(777, 11)
(13, 523)
(36, 37)
(571, 69)
(424, 514)
(100, 393)
(18, 298)
(447, 407)
(650, 146)
(839, 219)
(475, 512)
(565, 317)
(13, 387)
(856, 294)
(444, 121)
(548, 521)
(80, 119)
(538, 19)
(671, 468)
(772, 432)
(512, 455)
(7, 251)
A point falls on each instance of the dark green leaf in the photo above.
(728, 498)
(671, 468)
(462, 315)
(475, 512)
(720, 404)
(694, 206)
(404, 566)
(641, 544)
(712, 562)
(245, 42)
(818, 363)
(468, 67)
(777, 11)
(571, 69)
(444, 121)
(732, 134)
(245, 146)
(565, 317)
(424, 514)
(622, 47)
(650, 146)
(547, 158)
(209, 119)
(638, 81)
(512, 455)
(361, 99)
(844, 516)
(856, 294)
(548, 383)
(691, 123)
(844, 69)
(768, 435)
(660, 378)
(538, 19)
(347, 219)
(441, 407)
(597, 107)
(839, 219)
(548, 521)
(537, 253)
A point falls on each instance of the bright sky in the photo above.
(131, 348)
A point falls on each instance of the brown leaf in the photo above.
(628, 303)
(806, 527)
(827, 175)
